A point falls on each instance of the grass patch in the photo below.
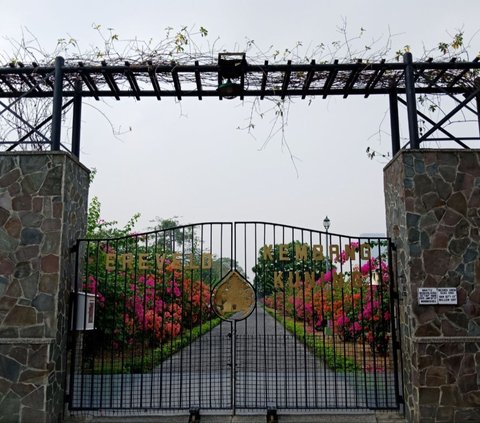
(316, 345)
(145, 360)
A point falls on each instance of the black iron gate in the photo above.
(234, 316)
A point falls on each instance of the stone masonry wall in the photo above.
(433, 216)
(43, 204)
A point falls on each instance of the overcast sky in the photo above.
(190, 160)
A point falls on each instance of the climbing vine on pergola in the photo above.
(178, 69)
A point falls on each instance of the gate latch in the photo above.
(272, 416)
(194, 415)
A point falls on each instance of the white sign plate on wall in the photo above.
(443, 296)
(427, 296)
(447, 296)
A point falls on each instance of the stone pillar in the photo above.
(433, 216)
(43, 205)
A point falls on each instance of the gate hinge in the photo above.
(74, 248)
(396, 345)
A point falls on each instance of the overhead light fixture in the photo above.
(231, 66)
(229, 89)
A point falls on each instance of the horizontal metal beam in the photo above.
(247, 93)
(322, 79)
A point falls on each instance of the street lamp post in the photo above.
(326, 225)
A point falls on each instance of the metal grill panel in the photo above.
(322, 334)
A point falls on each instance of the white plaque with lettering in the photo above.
(427, 296)
(447, 296)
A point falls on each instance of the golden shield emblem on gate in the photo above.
(234, 297)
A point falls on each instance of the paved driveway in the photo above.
(272, 369)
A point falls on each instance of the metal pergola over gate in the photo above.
(68, 83)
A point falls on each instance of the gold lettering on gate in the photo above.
(110, 262)
(301, 252)
(283, 252)
(365, 252)
(317, 253)
(142, 261)
(267, 252)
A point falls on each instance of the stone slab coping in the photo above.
(45, 153)
(444, 339)
(38, 341)
(430, 150)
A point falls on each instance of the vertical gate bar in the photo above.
(115, 284)
(350, 269)
(233, 346)
(233, 249)
(233, 265)
(322, 305)
(169, 284)
(354, 305)
(193, 227)
(394, 307)
(124, 334)
(82, 359)
(142, 346)
(85, 341)
(256, 315)
(386, 354)
(385, 296)
(394, 124)
(201, 315)
(246, 327)
(155, 278)
(332, 302)
(344, 344)
(374, 324)
(72, 389)
(57, 104)
(162, 324)
(134, 328)
(264, 273)
(364, 351)
(294, 316)
(209, 348)
(304, 320)
(275, 334)
(353, 334)
(314, 312)
(221, 325)
(411, 101)
(95, 290)
(210, 336)
(182, 332)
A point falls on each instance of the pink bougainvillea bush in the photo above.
(351, 300)
(148, 309)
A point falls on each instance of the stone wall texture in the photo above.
(433, 216)
(43, 205)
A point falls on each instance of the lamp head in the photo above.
(229, 89)
(326, 223)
